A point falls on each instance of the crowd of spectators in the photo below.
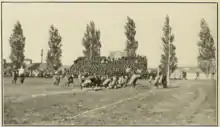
(109, 66)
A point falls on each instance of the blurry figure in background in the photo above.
(158, 79)
(184, 74)
(150, 76)
(14, 76)
(150, 79)
(213, 76)
(197, 75)
(21, 74)
(56, 79)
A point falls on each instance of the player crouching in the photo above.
(69, 80)
(121, 82)
(106, 82)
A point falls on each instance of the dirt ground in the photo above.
(37, 102)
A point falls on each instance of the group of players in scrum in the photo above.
(111, 82)
(95, 81)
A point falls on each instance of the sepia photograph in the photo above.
(109, 63)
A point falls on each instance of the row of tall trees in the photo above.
(17, 43)
(92, 45)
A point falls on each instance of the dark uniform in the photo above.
(197, 75)
(22, 76)
(69, 80)
(213, 75)
(14, 76)
(184, 75)
(164, 80)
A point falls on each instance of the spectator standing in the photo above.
(21, 74)
(14, 76)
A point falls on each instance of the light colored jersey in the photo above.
(21, 71)
(106, 82)
(133, 78)
(120, 80)
(113, 82)
(86, 82)
(139, 71)
(128, 70)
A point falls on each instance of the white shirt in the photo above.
(128, 70)
(139, 71)
(21, 71)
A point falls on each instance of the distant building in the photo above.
(28, 61)
(36, 68)
(117, 54)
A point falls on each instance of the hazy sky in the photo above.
(71, 20)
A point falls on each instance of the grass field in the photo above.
(184, 102)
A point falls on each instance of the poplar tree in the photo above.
(131, 43)
(54, 53)
(206, 45)
(17, 44)
(91, 41)
(169, 50)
